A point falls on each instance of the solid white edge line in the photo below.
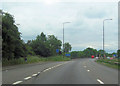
(17, 82)
(100, 81)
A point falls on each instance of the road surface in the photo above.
(77, 71)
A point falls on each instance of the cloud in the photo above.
(60, 1)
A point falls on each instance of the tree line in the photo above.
(88, 52)
(14, 47)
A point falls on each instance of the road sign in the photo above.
(114, 55)
(67, 54)
(57, 50)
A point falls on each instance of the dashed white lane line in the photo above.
(45, 70)
(34, 75)
(52, 67)
(49, 68)
(88, 70)
(57, 65)
(100, 81)
(17, 82)
(27, 78)
(38, 73)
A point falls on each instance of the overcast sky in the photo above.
(85, 29)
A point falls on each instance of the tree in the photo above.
(40, 45)
(118, 53)
(89, 52)
(67, 47)
(45, 46)
(74, 54)
(77, 54)
(81, 54)
(13, 46)
(101, 52)
(54, 44)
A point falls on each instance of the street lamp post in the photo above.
(103, 35)
(63, 36)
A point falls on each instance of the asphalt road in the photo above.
(78, 71)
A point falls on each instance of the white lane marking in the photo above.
(27, 78)
(57, 65)
(54, 67)
(17, 82)
(100, 81)
(49, 68)
(85, 66)
(88, 70)
(38, 72)
(45, 70)
(34, 75)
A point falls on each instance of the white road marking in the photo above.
(54, 67)
(17, 82)
(57, 65)
(85, 66)
(38, 72)
(27, 78)
(45, 70)
(34, 75)
(49, 68)
(100, 81)
(88, 70)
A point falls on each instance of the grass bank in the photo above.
(114, 63)
(33, 59)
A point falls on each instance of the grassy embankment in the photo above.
(113, 63)
(33, 59)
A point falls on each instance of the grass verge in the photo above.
(109, 63)
(33, 59)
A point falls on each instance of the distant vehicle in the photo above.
(92, 56)
(96, 58)
(111, 58)
(108, 57)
